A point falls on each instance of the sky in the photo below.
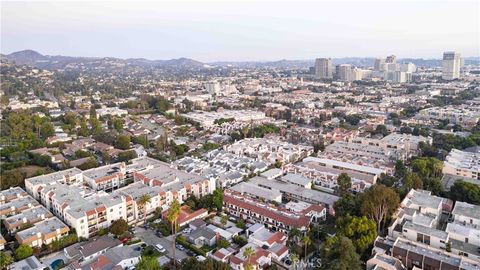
(241, 30)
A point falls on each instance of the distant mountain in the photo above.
(35, 59)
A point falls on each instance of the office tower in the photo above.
(344, 72)
(323, 68)
(409, 67)
(379, 64)
(392, 59)
(451, 65)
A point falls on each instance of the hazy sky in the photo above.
(247, 30)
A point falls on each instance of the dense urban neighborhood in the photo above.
(358, 163)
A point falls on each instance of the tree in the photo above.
(5, 260)
(248, 254)
(123, 142)
(224, 220)
(222, 243)
(344, 183)
(338, 253)
(361, 230)
(218, 199)
(400, 169)
(465, 192)
(142, 203)
(148, 263)
(379, 203)
(23, 251)
(306, 241)
(172, 215)
(119, 227)
(412, 180)
(295, 259)
(118, 124)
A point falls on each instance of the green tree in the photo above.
(23, 251)
(306, 242)
(119, 227)
(172, 215)
(361, 230)
(465, 192)
(344, 183)
(379, 203)
(148, 263)
(248, 254)
(218, 199)
(118, 124)
(224, 220)
(338, 253)
(123, 142)
(5, 260)
(412, 180)
(223, 243)
(142, 203)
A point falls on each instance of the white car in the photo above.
(160, 248)
(200, 258)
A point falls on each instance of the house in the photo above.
(87, 251)
(120, 257)
(197, 223)
(30, 263)
(186, 215)
(203, 236)
(260, 259)
(222, 255)
(274, 242)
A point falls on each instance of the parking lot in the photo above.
(148, 236)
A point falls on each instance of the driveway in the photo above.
(148, 236)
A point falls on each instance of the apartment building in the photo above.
(16, 206)
(462, 164)
(462, 115)
(270, 149)
(11, 194)
(80, 198)
(106, 177)
(43, 233)
(291, 191)
(422, 224)
(26, 218)
(275, 218)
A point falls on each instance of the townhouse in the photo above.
(26, 218)
(274, 217)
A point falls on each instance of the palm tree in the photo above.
(248, 254)
(142, 202)
(295, 259)
(306, 241)
(293, 236)
(172, 215)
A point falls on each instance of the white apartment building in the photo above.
(323, 68)
(461, 163)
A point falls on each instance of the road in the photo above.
(148, 236)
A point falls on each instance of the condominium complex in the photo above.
(431, 232)
(274, 217)
(80, 199)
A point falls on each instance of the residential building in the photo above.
(43, 233)
(463, 164)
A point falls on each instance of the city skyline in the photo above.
(215, 31)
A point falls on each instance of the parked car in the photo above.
(160, 248)
(200, 258)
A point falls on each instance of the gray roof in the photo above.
(117, 254)
(467, 210)
(202, 232)
(27, 264)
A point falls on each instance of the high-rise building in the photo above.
(392, 59)
(323, 68)
(451, 65)
(344, 72)
(379, 64)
